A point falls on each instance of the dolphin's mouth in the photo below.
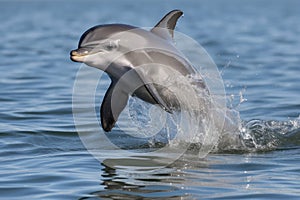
(78, 55)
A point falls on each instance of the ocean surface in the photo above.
(256, 47)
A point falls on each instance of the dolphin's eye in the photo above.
(111, 46)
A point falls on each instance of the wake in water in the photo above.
(260, 135)
(233, 135)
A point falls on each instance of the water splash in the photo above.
(256, 135)
(260, 135)
(237, 136)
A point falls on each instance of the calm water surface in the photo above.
(256, 46)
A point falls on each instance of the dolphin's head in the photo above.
(100, 45)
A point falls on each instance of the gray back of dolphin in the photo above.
(120, 49)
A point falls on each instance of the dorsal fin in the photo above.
(165, 27)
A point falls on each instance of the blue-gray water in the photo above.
(255, 44)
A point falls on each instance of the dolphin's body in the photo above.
(120, 50)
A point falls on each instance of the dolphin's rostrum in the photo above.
(120, 49)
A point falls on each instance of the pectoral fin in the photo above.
(142, 80)
(113, 103)
(155, 95)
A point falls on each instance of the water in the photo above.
(255, 44)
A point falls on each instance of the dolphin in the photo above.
(119, 50)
